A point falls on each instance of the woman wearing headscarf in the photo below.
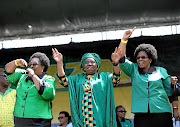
(150, 87)
(35, 90)
(91, 93)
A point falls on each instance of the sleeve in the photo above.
(127, 67)
(63, 81)
(116, 79)
(13, 78)
(175, 89)
(47, 88)
(166, 79)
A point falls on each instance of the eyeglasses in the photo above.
(122, 111)
(61, 117)
(33, 64)
(142, 57)
(4, 75)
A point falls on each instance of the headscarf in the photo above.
(92, 55)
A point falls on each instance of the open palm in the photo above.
(115, 57)
(58, 57)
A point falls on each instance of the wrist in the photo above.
(115, 64)
(175, 107)
(124, 41)
(16, 63)
(32, 75)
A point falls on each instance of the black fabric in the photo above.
(153, 120)
(41, 90)
(122, 60)
(173, 97)
(150, 71)
(31, 122)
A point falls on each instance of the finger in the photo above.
(119, 50)
(56, 51)
(115, 51)
(133, 29)
(52, 50)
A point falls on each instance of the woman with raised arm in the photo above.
(91, 93)
(150, 87)
(35, 90)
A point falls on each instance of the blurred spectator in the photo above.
(64, 119)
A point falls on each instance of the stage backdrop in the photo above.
(168, 53)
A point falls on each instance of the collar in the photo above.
(41, 76)
(8, 89)
(151, 70)
(123, 120)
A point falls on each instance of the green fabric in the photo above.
(102, 99)
(152, 89)
(29, 103)
(126, 123)
(92, 55)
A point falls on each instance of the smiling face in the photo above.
(143, 61)
(90, 66)
(35, 64)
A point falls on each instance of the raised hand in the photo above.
(128, 34)
(58, 57)
(21, 62)
(115, 57)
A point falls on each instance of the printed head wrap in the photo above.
(92, 55)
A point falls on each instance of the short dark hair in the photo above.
(149, 49)
(66, 115)
(118, 122)
(43, 59)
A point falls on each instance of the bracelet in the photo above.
(32, 75)
(123, 41)
(175, 107)
(115, 64)
(16, 63)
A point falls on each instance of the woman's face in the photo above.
(143, 61)
(35, 65)
(90, 66)
(121, 112)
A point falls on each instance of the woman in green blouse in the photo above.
(35, 90)
(91, 93)
(150, 87)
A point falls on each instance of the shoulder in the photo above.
(128, 120)
(69, 125)
(160, 68)
(48, 77)
(13, 90)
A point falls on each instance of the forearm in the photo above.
(175, 104)
(116, 69)
(175, 109)
(60, 69)
(36, 81)
(123, 47)
(10, 67)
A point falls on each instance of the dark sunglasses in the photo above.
(122, 111)
(4, 75)
(142, 57)
(61, 117)
(33, 64)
